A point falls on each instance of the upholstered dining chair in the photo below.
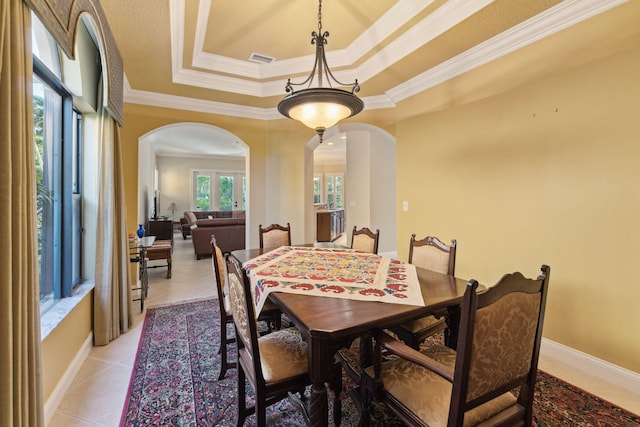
(275, 235)
(270, 313)
(432, 254)
(365, 240)
(498, 350)
(275, 364)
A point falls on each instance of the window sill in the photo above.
(56, 314)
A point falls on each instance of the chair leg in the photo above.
(336, 386)
(261, 410)
(365, 393)
(278, 322)
(242, 403)
(224, 363)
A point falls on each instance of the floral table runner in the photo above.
(333, 272)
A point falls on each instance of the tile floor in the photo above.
(96, 396)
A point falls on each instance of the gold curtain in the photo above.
(21, 395)
(112, 312)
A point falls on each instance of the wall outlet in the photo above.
(405, 206)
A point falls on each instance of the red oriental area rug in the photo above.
(174, 383)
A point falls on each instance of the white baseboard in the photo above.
(601, 369)
(51, 406)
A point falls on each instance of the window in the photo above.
(335, 191)
(203, 192)
(223, 191)
(317, 188)
(57, 138)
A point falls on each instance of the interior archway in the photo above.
(192, 146)
(369, 177)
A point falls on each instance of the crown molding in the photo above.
(154, 99)
(555, 19)
(447, 16)
(390, 22)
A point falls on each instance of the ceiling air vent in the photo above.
(256, 57)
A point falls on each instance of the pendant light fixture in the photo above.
(323, 106)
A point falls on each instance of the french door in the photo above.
(218, 191)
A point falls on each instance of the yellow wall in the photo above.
(545, 173)
(63, 343)
(534, 175)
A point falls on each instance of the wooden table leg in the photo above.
(319, 367)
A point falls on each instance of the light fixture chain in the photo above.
(321, 107)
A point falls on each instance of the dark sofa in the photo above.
(227, 226)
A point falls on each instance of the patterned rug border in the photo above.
(578, 389)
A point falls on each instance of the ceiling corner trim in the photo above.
(557, 18)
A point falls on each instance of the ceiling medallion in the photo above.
(320, 107)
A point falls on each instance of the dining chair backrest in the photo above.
(499, 342)
(242, 307)
(222, 285)
(220, 276)
(365, 240)
(275, 235)
(432, 254)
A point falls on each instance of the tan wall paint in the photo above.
(545, 173)
(64, 343)
(285, 177)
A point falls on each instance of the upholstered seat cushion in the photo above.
(350, 358)
(283, 355)
(422, 323)
(428, 395)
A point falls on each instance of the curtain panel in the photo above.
(21, 391)
(112, 311)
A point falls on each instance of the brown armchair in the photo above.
(498, 349)
(432, 254)
(275, 364)
(365, 240)
(275, 235)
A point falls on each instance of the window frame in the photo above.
(67, 172)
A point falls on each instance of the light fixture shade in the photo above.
(320, 108)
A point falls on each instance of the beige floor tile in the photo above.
(61, 419)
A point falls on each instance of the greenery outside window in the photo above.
(57, 152)
(317, 189)
(223, 191)
(335, 191)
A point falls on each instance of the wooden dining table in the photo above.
(329, 324)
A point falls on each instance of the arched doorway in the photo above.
(171, 155)
(368, 168)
